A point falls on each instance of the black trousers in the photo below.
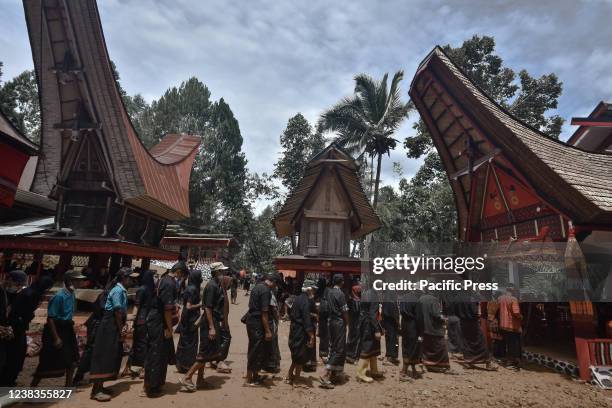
(353, 337)
(323, 337)
(391, 338)
(514, 349)
(15, 356)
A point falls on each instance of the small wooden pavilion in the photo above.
(327, 210)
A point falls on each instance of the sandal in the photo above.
(187, 385)
(326, 384)
(101, 397)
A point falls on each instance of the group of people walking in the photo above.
(351, 325)
(348, 322)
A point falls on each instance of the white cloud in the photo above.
(272, 59)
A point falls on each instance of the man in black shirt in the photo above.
(24, 301)
(338, 320)
(301, 331)
(391, 324)
(213, 304)
(258, 327)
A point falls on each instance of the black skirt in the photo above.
(435, 352)
(259, 349)
(475, 349)
(411, 346)
(370, 345)
(337, 345)
(54, 362)
(107, 350)
(210, 350)
(160, 352)
(456, 341)
(139, 345)
(187, 348)
(298, 344)
(226, 340)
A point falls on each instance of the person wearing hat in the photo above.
(108, 347)
(214, 311)
(22, 304)
(338, 320)
(258, 328)
(301, 330)
(59, 353)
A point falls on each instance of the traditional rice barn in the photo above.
(323, 214)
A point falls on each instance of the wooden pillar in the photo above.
(145, 264)
(7, 256)
(38, 257)
(126, 261)
(64, 264)
(115, 264)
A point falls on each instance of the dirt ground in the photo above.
(532, 387)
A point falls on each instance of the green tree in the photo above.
(19, 102)
(366, 121)
(299, 144)
(528, 98)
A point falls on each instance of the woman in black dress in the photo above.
(411, 336)
(187, 347)
(370, 334)
(142, 304)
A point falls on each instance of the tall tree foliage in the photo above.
(526, 97)
(299, 144)
(19, 102)
(366, 121)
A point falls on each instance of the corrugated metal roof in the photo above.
(26, 227)
(8, 131)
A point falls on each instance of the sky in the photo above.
(272, 59)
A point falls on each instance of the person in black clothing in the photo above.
(234, 288)
(435, 351)
(352, 340)
(214, 309)
(160, 345)
(142, 304)
(323, 332)
(391, 324)
(187, 347)
(23, 303)
(92, 323)
(258, 328)
(6, 331)
(370, 334)
(411, 333)
(301, 331)
(475, 350)
(311, 362)
(338, 320)
(59, 353)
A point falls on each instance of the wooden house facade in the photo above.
(513, 183)
(114, 197)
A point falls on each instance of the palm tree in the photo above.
(365, 122)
